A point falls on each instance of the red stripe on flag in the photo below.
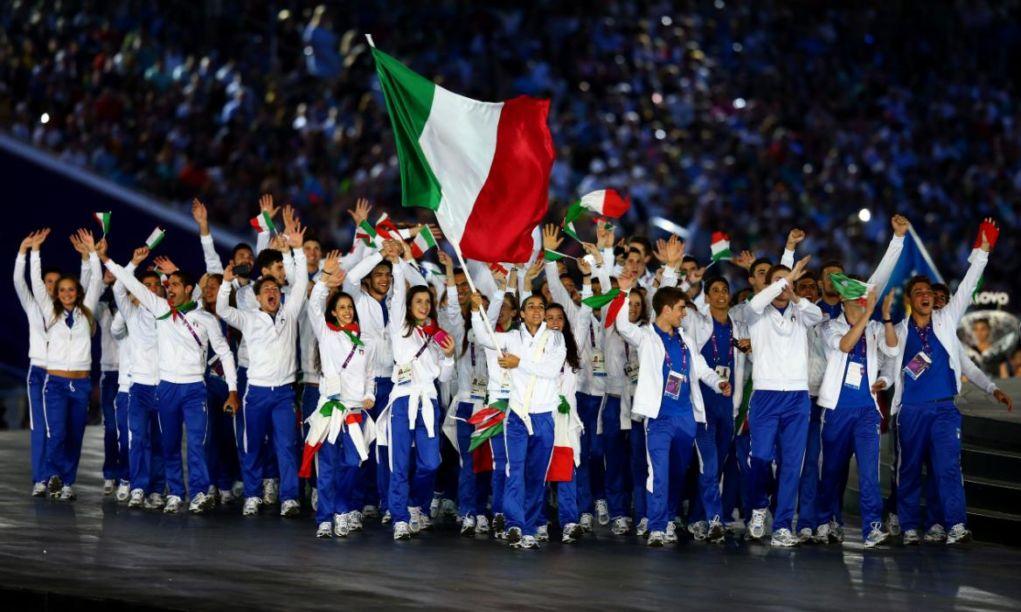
(561, 465)
(614, 205)
(515, 196)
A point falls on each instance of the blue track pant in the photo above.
(66, 410)
(932, 428)
(615, 455)
(145, 445)
(184, 406)
(590, 472)
(337, 469)
(669, 449)
(528, 459)
(639, 470)
(112, 468)
(808, 489)
(269, 412)
(404, 489)
(778, 418)
(374, 476)
(846, 431)
(713, 440)
(37, 423)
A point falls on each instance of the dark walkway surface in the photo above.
(98, 550)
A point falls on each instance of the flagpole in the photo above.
(471, 285)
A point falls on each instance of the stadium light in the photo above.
(44, 119)
(864, 215)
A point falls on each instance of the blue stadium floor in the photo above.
(96, 552)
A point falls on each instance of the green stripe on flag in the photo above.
(595, 302)
(551, 255)
(409, 98)
(848, 288)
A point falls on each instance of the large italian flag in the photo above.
(482, 167)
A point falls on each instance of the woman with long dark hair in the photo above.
(423, 353)
(534, 354)
(339, 425)
(69, 327)
(567, 428)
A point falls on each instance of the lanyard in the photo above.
(923, 335)
(716, 349)
(592, 334)
(354, 347)
(684, 354)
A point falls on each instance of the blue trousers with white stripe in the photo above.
(713, 441)
(669, 448)
(182, 406)
(66, 409)
(269, 413)
(639, 470)
(145, 444)
(528, 459)
(845, 431)
(778, 417)
(120, 415)
(471, 490)
(615, 456)
(405, 490)
(112, 468)
(932, 428)
(37, 423)
(337, 468)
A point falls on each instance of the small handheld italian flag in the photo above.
(849, 288)
(561, 465)
(155, 238)
(719, 248)
(103, 218)
(423, 242)
(606, 203)
(264, 223)
(613, 297)
(488, 422)
(551, 255)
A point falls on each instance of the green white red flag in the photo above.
(482, 167)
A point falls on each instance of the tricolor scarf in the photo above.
(179, 311)
(319, 430)
(351, 329)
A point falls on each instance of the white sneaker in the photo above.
(315, 499)
(354, 519)
(155, 501)
(656, 538)
(270, 491)
(108, 486)
(643, 527)
(757, 529)
(876, 535)
(137, 499)
(911, 537)
(402, 531)
(481, 525)
(958, 534)
(417, 518)
(783, 538)
(468, 526)
(200, 504)
(251, 507)
(586, 522)
(123, 491)
(448, 509)
(670, 536)
(893, 525)
(173, 505)
(602, 512)
(836, 532)
(698, 530)
(822, 534)
(39, 489)
(542, 533)
(572, 531)
(514, 535)
(936, 534)
(386, 518)
(527, 542)
(716, 533)
(67, 494)
(805, 535)
(341, 526)
(290, 508)
(620, 526)
(325, 530)
(370, 511)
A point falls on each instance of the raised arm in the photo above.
(149, 300)
(881, 276)
(352, 283)
(962, 297)
(551, 241)
(42, 297)
(627, 330)
(20, 286)
(495, 341)
(119, 326)
(299, 286)
(94, 287)
(794, 237)
(398, 301)
(234, 317)
(316, 306)
(201, 216)
(222, 350)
